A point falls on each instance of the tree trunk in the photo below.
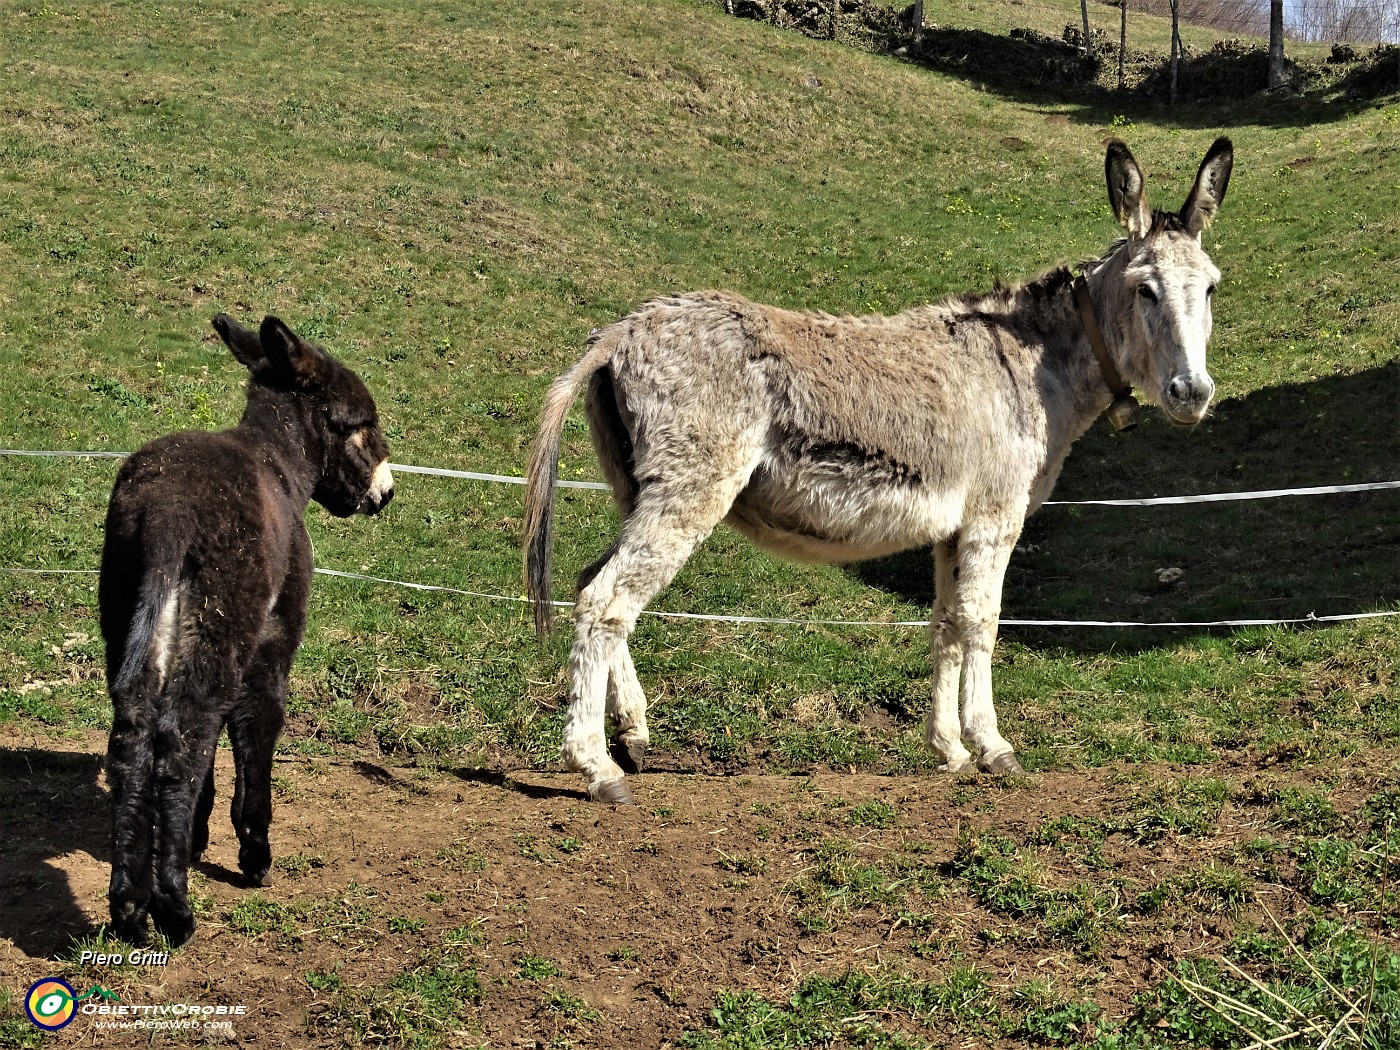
(1276, 43)
(918, 26)
(1088, 36)
(1122, 40)
(1176, 45)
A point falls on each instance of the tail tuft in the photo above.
(543, 473)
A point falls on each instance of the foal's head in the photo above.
(1168, 283)
(336, 415)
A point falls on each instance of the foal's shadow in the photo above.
(51, 804)
(1265, 559)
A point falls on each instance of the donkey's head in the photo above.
(1164, 313)
(310, 391)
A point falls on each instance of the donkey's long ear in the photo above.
(1204, 199)
(290, 354)
(1125, 191)
(245, 344)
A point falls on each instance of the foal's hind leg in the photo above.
(129, 772)
(669, 522)
(186, 734)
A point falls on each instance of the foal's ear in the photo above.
(1125, 191)
(1204, 199)
(245, 344)
(290, 354)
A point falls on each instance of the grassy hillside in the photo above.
(450, 196)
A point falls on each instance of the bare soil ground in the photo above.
(592, 926)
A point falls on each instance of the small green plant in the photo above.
(873, 814)
(566, 1004)
(536, 968)
(323, 981)
(741, 864)
(298, 865)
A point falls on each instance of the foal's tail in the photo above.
(543, 473)
(154, 620)
(151, 601)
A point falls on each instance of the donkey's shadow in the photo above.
(51, 804)
(1274, 558)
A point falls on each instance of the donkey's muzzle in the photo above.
(1188, 397)
(381, 490)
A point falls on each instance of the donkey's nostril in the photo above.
(1179, 389)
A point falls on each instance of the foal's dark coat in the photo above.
(206, 569)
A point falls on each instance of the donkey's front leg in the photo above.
(983, 554)
(943, 728)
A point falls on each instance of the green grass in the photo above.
(420, 1007)
(451, 197)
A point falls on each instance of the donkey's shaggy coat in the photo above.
(839, 438)
(206, 568)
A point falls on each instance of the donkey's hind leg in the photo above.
(669, 521)
(626, 702)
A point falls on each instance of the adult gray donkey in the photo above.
(836, 439)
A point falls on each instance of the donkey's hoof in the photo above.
(1003, 763)
(258, 878)
(960, 765)
(612, 793)
(629, 757)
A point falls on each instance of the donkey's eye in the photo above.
(1147, 293)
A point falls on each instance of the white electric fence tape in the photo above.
(1149, 501)
(1310, 618)
(1153, 501)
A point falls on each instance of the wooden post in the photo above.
(1176, 45)
(1088, 34)
(1276, 43)
(918, 26)
(1122, 40)
(835, 15)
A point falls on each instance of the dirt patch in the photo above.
(598, 927)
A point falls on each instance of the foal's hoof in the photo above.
(1002, 764)
(130, 932)
(612, 793)
(629, 757)
(175, 924)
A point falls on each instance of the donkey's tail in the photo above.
(151, 635)
(543, 473)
